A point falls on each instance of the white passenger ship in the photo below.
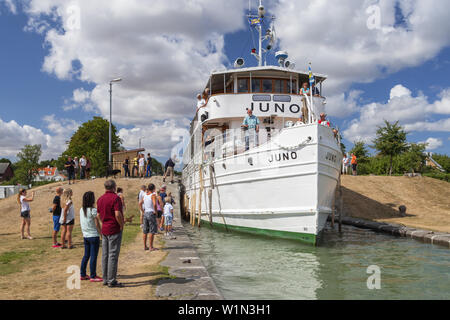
(278, 182)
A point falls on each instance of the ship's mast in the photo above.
(259, 17)
(260, 36)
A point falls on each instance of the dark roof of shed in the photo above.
(3, 167)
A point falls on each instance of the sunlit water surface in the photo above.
(251, 267)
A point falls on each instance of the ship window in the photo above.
(267, 85)
(256, 85)
(294, 86)
(281, 98)
(261, 97)
(243, 85)
(279, 86)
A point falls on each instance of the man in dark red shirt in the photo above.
(109, 208)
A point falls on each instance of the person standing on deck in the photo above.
(109, 207)
(251, 125)
(168, 169)
(200, 102)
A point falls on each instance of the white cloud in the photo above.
(334, 36)
(413, 112)
(157, 138)
(399, 91)
(433, 143)
(342, 105)
(15, 136)
(163, 50)
(10, 4)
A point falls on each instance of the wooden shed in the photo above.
(6, 172)
(118, 159)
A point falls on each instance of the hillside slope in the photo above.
(377, 198)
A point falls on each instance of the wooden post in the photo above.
(191, 212)
(333, 206)
(195, 209)
(200, 196)
(210, 206)
(341, 203)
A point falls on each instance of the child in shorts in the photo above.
(168, 216)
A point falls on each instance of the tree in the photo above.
(414, 157)
(443, 160)
(92, 140)
(28, 164)
(390, 141)
(4, 160)
(46, 163)
(362, 156)
(360, 151)
(157, 167)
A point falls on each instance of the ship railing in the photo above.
(234, 142)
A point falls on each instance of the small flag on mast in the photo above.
(254, 21)
(312, 80)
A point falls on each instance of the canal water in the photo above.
(252, 267)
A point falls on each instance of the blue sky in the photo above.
(31, 93)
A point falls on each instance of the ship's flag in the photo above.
(254, 21)
(312, 80)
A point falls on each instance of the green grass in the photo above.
(14, 261)
(131, 230)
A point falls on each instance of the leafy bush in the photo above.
(438, 175)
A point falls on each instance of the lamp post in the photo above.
(110, 116)
(140, 141)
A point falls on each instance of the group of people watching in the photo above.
(348, 162)
(142, 166)
(80, 168)
(156, 208)
(102, 221)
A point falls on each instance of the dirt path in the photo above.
(31, 269)
(377, 198)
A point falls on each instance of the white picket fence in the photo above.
(8, 191)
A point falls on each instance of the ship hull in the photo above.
(283, 188)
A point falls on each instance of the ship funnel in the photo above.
(281, 56)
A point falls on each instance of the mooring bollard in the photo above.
(402, 210)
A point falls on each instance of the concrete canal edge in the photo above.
(427, 236)
(190, 279)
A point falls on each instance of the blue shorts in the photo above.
(168, 220)
(56, 224)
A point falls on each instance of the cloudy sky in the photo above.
(384, 59)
